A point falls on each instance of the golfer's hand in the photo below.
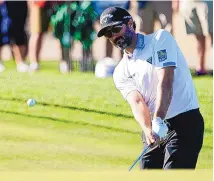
(150, 137)
(159, 128)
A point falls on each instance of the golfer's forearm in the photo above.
(142, 115)
(163, 99)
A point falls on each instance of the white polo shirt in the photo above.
(139, 72)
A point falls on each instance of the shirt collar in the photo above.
(139, 46)
(140, 41)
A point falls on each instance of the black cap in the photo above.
(112, 16)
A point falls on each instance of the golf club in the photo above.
(139, 158)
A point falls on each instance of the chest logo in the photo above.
(149, 60)
(162, 55)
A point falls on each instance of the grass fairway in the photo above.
(79, 123)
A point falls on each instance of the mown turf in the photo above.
(78, 123)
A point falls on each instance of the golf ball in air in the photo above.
(31, 102)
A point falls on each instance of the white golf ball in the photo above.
(31, 102)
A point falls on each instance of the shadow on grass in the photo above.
(71, 107)
(71, 122)
(209, 74)
(85, 124)
(209, 131)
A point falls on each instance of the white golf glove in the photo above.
(159, 127)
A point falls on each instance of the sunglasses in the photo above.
(113, 29)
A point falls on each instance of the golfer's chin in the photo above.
(119, 46)
(122, 47)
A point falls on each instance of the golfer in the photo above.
(154, 78)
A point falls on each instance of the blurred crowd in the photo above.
(24, 23)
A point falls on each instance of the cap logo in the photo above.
(127, 17)
(105, 18)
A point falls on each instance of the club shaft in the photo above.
(150, 147)
(141, 155)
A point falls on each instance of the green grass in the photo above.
(79, 122)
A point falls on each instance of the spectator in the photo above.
(199, 21)
(99, 7)
(150, 10)
(74, 21)
(40, 14)
(13, 16)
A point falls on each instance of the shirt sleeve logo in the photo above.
(162, 55)
(149, 60)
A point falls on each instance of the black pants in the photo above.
(12, 23)
(182, 145)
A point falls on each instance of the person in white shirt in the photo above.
(154, 78)
(198, 16)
